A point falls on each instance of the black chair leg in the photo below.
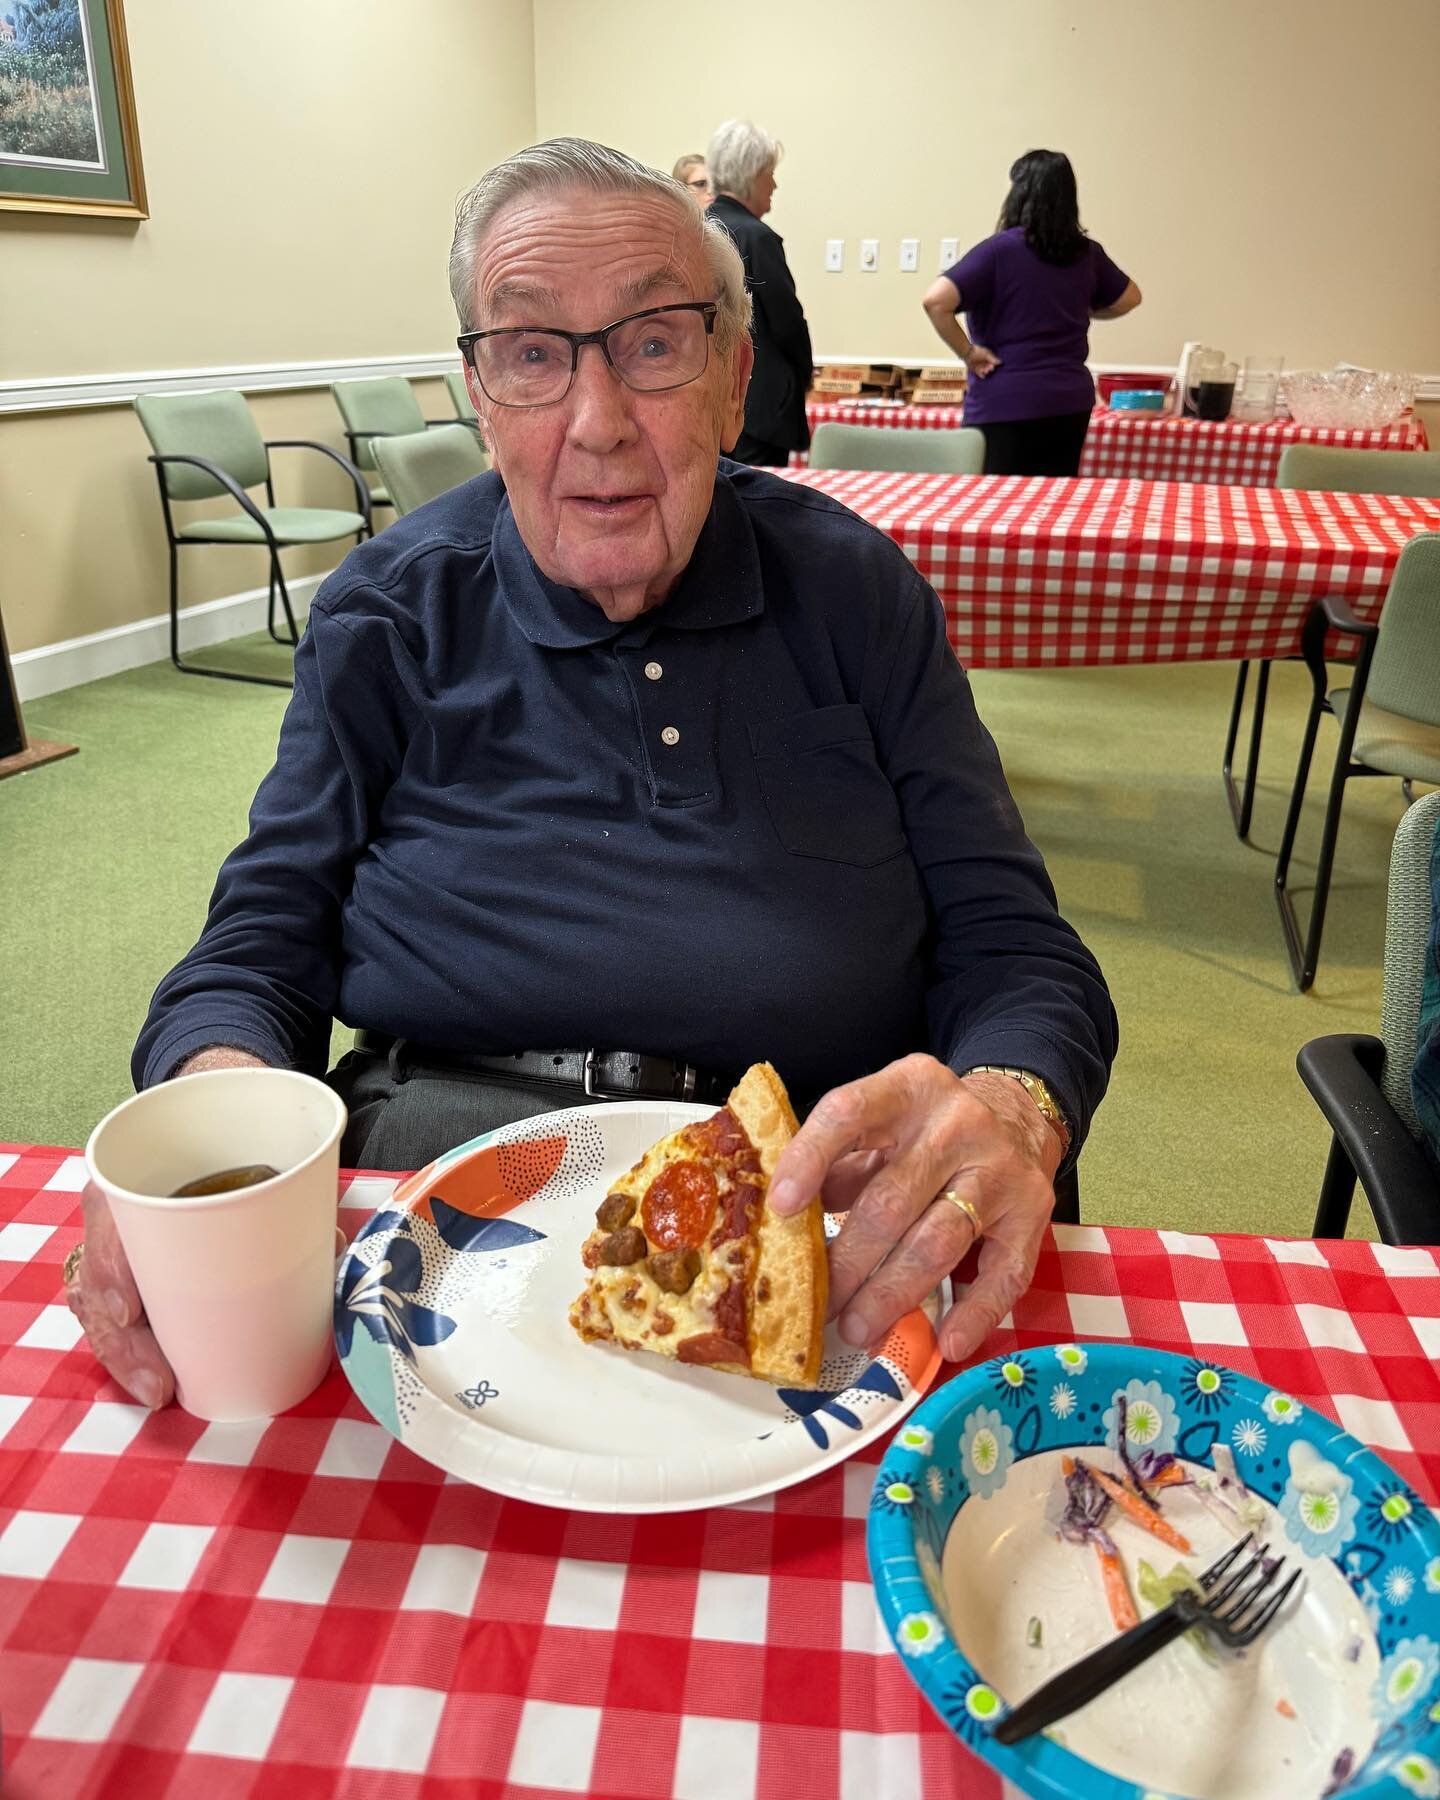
(193, 668)
(277, 578)
(1288, 919)
(270, 607)
(1336, 1192)
(1242, 801)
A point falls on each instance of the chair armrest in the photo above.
(228, 482)
(1342, 1072)
(362, 493)
(1340, 618)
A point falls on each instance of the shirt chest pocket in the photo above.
(826, 795)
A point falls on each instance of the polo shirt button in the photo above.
(669, 735)
(653, 671)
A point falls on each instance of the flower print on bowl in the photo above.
(920, 1633)
(1150, 1418)
(1388, 1515)
(1398, 1585)
(1281, 1409)
(1249, 1437)
(915, 1437)
(930, 1571)
(1418, 1774)
(1405, 1679)
(1206, 1387)
(893, 1494)
(1432, 1575)
(1013, 1379)
(987, 1449)
(1062, 1400)
(1071, 1358)
(935, 1483)
(1318, 1506)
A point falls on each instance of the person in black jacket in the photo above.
(741, 161)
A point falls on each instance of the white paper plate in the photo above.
(451, 1319)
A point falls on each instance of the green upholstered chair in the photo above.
(384, 407)
(1388, 718)
(421, 465)
(959, 452)
(460, 398)
(1362, 1083)
(208, 444)
(1318, 467)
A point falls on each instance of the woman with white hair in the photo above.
(741, 162)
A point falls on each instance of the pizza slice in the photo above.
(687, 1259)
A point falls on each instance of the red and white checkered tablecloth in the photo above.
(301, 1608)
(1226, 453)
(1039, 572)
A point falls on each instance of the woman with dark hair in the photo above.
(1029, 294)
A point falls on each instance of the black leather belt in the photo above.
(597, 1074)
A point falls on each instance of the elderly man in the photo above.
(624, 745)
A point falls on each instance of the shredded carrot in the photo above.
(1117, 1589)
(1067, 1465)
(1172, 1475)
(1285, 1709)
(1139, 1513)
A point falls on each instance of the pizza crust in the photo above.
(792, 1285)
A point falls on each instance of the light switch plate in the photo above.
(869, 255)
(909, 255)
(949, 253)
(834, 255)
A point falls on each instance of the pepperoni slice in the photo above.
(712, 1347)
(679, 1206)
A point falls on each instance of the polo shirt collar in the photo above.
(720, 585)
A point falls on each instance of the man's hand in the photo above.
(102, 1293)
(881, 1150)
(103, 1297)
(981, 361)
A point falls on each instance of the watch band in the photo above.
(1036, 1088)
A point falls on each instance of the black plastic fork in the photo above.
(1236, 1608)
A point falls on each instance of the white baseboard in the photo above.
(53, 667)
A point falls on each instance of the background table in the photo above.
(1155, 449)
(1043, 572)
(302, 1608)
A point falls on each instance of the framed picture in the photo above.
(68, 142)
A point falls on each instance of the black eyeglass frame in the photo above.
(577, 341)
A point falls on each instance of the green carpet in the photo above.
(107, 860)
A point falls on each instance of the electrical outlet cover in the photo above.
(949, 253)
(869, 255)
(834, 255)
(909, 255)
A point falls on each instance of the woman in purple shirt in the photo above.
(1029, 294)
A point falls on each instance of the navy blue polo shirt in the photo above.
(760, 821)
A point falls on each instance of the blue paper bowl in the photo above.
(1137, 400)
(963, 1444)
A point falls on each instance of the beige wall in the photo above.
(302, 163)
(1287, 201)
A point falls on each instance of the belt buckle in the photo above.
(689, 1077)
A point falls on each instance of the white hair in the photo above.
(565, 165)
(738, 155)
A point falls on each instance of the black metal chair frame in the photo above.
(1370, 1141)
(1242, 800)
(1329, 614)
(273, 544)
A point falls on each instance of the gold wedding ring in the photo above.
(70, 1268)
(966, 1205)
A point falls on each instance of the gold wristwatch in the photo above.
(1036, 1089)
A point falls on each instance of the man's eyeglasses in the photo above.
(662, 347)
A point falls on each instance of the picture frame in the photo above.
(69, 142)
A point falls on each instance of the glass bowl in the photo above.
(1347, 397)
